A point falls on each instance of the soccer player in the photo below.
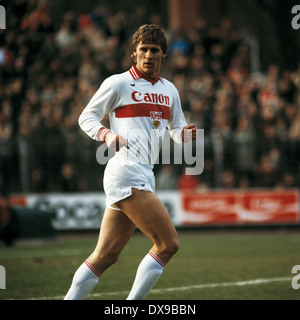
(141, 105)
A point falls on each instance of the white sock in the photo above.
(148, 272)
(84, 281)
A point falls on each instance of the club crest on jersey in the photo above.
(156, 117)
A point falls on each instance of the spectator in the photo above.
(244, 140)
(7, 153)
(291, 149)
(166, 178)
(9, 224)
(288, 181)
(69, 182)
(51, 150)
(187, 182)
(228, 180)
(27, 156)
(266, 172)
(64, 38)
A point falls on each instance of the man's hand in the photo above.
(116, 142)
(189, 133)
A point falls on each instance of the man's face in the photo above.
(148, 59)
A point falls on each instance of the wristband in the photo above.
(102, 134)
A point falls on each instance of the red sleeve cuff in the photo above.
(102, 134)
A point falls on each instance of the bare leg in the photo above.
(144, 210)
(148, 213)
(116, 230)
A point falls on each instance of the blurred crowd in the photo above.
(49, 70)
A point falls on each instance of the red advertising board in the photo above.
(212, 208)
(240, 207)
(271, 207)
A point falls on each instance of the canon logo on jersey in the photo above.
(150, 98)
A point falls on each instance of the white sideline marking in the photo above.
(184, 288)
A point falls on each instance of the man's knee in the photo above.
(110, 258)
(173, 247)
(105, 260)
(167, 250)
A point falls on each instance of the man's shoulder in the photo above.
(116, 80)
(168, 84)
(166, 81)
(118, 77)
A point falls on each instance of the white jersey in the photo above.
(138, 109)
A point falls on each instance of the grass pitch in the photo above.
(214, 265)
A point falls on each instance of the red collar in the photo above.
(137, 75)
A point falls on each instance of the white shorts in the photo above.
(121, 175)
